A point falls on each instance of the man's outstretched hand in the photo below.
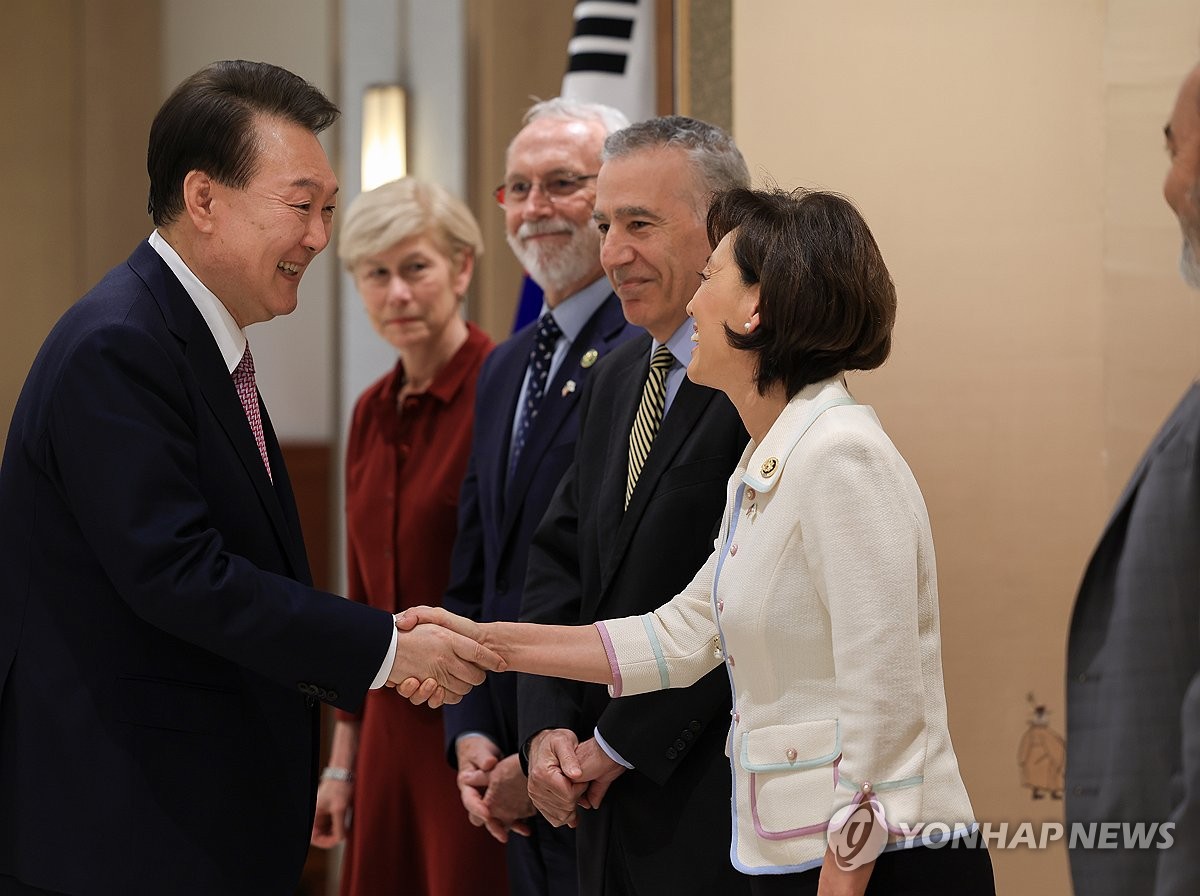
(437, 659)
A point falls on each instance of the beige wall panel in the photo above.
(76, 79)
(38, 243)
(120, 94)
(705, 89)
(516, 49)
(972, 137)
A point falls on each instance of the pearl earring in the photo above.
(746, 326)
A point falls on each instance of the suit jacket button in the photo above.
(680, 745)
(331, 696)
(695, 725)
(304, 688)
(672, 753)
(687, 735)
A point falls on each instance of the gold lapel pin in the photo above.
(769, 465)
(589, 358)
(568, 388)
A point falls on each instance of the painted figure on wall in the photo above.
(1041, 756)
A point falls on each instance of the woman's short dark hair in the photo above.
(826, 301)
(207, 124)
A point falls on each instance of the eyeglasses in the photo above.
(559, 186)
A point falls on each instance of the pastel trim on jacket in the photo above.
(615, 688)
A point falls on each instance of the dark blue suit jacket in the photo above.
(161, 651)
(496, 517)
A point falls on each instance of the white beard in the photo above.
(1189, 266)
(559, 267)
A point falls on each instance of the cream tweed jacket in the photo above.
(821, 599)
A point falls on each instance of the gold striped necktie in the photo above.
(649, 416)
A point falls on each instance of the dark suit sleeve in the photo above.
(553, 594)
(464, 595)
(654, 732)
(120, 445)
(1178, 871)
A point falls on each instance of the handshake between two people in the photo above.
(440, 656)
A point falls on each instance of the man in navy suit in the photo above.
(1133, 658)
(619, 541)
(524, 439)
(162, 651)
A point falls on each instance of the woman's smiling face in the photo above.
(721, 300)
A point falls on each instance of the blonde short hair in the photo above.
(400, 209)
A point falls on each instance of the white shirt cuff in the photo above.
(612, 754)
(386, 669)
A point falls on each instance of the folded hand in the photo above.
(598, 769)
(477, 757)
(553, 770)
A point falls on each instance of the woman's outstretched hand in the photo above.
(428, 690)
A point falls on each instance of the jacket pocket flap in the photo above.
(176, 705)
(778, 748)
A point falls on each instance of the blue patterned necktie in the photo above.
(544, 341)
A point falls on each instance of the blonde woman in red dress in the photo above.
(388, 790)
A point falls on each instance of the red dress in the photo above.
(409, 833)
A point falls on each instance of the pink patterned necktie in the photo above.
(243, 379)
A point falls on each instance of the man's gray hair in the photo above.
(718, 161)
(577, 110)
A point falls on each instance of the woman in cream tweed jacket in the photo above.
(821, 594)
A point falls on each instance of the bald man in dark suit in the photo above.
(1133, 658)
